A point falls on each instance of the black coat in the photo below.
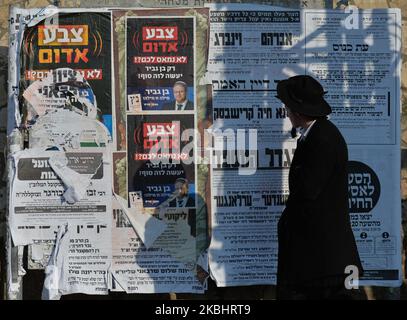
(314, 233)
(190, 203)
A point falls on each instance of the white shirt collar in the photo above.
(184, 104)
(304, 132)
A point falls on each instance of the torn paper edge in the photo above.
(36, 15)
(40, 14)
(15, 271)
(75, 187)
(75, 183)
(53, 271)
(15, 39)
(141, 222)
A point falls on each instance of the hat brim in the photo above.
(318, 107)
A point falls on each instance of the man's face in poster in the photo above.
(181, 189)
(180, 93)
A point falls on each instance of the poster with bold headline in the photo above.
(160, 158)
(66, 63)
(160, 63)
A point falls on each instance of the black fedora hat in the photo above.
(303, 94)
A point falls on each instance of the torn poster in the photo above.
(37, 202)
(66, 63)
(138, 269)
(79, 262)
(68, 130)
(147, 227)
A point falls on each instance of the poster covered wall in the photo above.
(65, 86)
(106, 161)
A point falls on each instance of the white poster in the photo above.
(356, 56)
(51, 188)
(166, 265)
(358, 63)
(359, 67)
(374, 205)
(250, 51)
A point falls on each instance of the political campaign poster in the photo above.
(66, 63)
(160, 159)
(127, 100)
(160, 63)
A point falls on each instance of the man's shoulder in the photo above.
(327, 127)
(326, 131)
